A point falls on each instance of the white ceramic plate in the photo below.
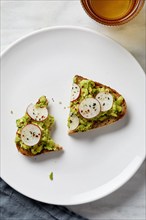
(93, 164)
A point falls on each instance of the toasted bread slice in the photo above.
(30, 154)
(93, 105)
(33, 133)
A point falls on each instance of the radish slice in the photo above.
(37, 113)
(106, 100)
(89, 108)
(74, 122)
(75, 92)
(30, 135)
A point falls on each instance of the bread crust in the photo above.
(30, 154)
(111, 119)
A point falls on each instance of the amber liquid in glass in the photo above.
(112, 9)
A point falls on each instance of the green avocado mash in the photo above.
(46, 141)
(88, 90)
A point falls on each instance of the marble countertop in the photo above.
(21, 17)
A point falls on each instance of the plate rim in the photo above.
(141, 159)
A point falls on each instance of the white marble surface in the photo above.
(21, 17)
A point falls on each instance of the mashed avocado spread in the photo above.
(46, 141)
(89, 89)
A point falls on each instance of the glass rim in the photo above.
(111, 22)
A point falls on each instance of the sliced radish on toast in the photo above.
(31, 135)
(74, 122)
(89, 108)
(37, 113)
(75, 92)
(106, 100)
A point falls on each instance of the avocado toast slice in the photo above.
(93, 105)
(33, 133)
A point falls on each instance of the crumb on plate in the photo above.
(51, 176)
